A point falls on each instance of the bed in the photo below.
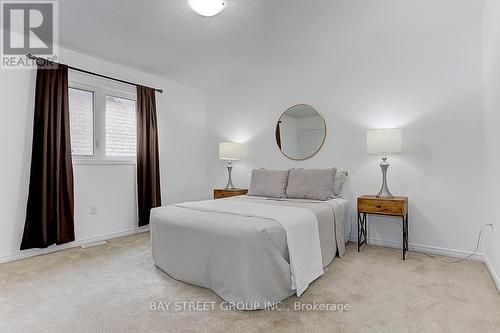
(238, 247)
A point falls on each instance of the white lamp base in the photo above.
(384, 192)
(229, 185)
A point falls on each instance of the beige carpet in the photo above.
(110, 289)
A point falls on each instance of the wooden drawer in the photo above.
(223, 193)
(372, 205)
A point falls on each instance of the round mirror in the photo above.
(300, 132)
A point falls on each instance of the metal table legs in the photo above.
(362, 232)
(405, 235)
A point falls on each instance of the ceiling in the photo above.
(249, 38)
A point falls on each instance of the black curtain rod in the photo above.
(47, 61)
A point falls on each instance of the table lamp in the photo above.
(229, 151)
(384, 141)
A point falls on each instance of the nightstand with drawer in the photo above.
(394, 206)
(226, 193)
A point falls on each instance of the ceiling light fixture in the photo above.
(207, 7)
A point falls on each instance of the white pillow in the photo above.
(339, 181)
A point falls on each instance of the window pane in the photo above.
(81, 115)
(120, 127)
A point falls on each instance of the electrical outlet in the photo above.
(488, 226)
(93, 210)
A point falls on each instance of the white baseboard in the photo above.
(54, 248)
(437, 251)
(493, 274)
(423, 248)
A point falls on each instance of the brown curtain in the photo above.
(148, 166)
(50, 209)
(278, 134)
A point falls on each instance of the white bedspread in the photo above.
(301, 228)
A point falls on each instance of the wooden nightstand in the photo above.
(395, 206)
(224, 193)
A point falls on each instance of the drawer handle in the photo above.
(379, 206)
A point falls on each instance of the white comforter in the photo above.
(301, 228)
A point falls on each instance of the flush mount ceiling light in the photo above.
(207, 7)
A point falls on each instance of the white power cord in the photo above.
(460, 259)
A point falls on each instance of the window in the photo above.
(102, 123)
(120, 127)
(81, 114)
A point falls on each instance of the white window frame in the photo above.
(99, 114)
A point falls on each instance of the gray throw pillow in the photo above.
(339, 181)
(268, 183)
(313, 184)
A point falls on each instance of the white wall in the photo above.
(112, 188)
(389, 65)
(491, 95)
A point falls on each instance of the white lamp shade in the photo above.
(229, 151)
(383, 141)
